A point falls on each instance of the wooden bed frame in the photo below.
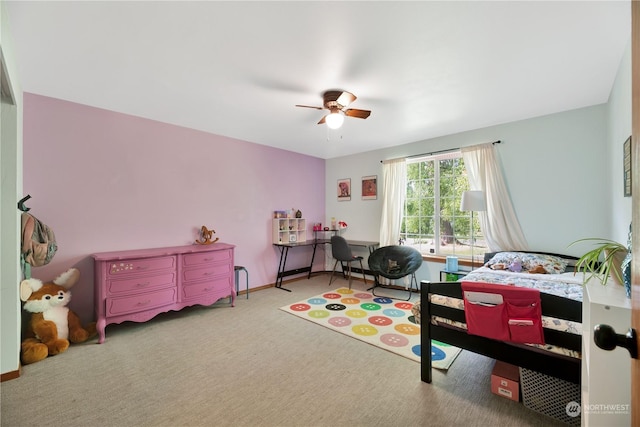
(555, 365)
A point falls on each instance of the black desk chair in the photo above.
(395, 262)
(342, 254)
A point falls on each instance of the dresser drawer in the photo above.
(194, 274)
(141, 283)
(220, 285)
(206, 257)
(136, 285)
(141, 302)
(120, 268)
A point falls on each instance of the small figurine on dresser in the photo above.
(206, 236)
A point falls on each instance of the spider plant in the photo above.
(591, 264)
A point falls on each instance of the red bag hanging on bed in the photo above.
(503, 312)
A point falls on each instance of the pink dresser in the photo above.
(136, 285)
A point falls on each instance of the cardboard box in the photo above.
(505, 381)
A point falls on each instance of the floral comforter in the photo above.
(566, 285)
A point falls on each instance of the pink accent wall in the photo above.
(105, 181)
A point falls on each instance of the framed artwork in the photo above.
(370, 187)
(344, 190)
(627, 167)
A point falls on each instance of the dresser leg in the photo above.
(100, 326)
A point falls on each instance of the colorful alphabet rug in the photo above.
(383, 322)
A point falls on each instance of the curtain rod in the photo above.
(435, 152)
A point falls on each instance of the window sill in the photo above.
(443, 260)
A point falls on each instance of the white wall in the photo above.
(618, 130)
(11, 166)
(553, 166)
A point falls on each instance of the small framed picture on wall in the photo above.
(370, 187)
(344, 190)
(627, 167)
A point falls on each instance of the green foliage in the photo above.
(591, 263)
(427, 202)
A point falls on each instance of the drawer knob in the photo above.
(144, 302)
(142, 285)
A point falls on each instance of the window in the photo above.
(432, 220)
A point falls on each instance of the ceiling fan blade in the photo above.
(360, 114)
(310, 106)
(346, 98)
(322, 120)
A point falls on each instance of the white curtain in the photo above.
(499, 223)
(394, 187)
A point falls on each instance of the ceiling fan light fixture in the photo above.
(335, 119)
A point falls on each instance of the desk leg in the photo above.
(284, 251)
(313, 255)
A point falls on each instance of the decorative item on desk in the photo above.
(206, 236)
(452, 264)
(333, 223)
(342, 225)
(317, 226)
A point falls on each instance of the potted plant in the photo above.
(603, 261)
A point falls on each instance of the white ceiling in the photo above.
(424, 69)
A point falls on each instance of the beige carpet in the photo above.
(243, 366)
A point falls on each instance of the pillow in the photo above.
(530, 261)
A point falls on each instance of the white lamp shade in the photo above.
(473, 201)
(334, 120)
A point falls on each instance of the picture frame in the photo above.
(370, 187)
(344, 189)
(626, 162)
(293, 238)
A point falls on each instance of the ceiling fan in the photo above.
(337, 101)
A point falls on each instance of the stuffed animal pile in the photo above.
(52, 325)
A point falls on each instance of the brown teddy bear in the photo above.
(52, 325)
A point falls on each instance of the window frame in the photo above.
(435, 249)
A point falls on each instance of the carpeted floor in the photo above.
(380, 321)
(250, 365)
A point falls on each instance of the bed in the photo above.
(443, 317)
